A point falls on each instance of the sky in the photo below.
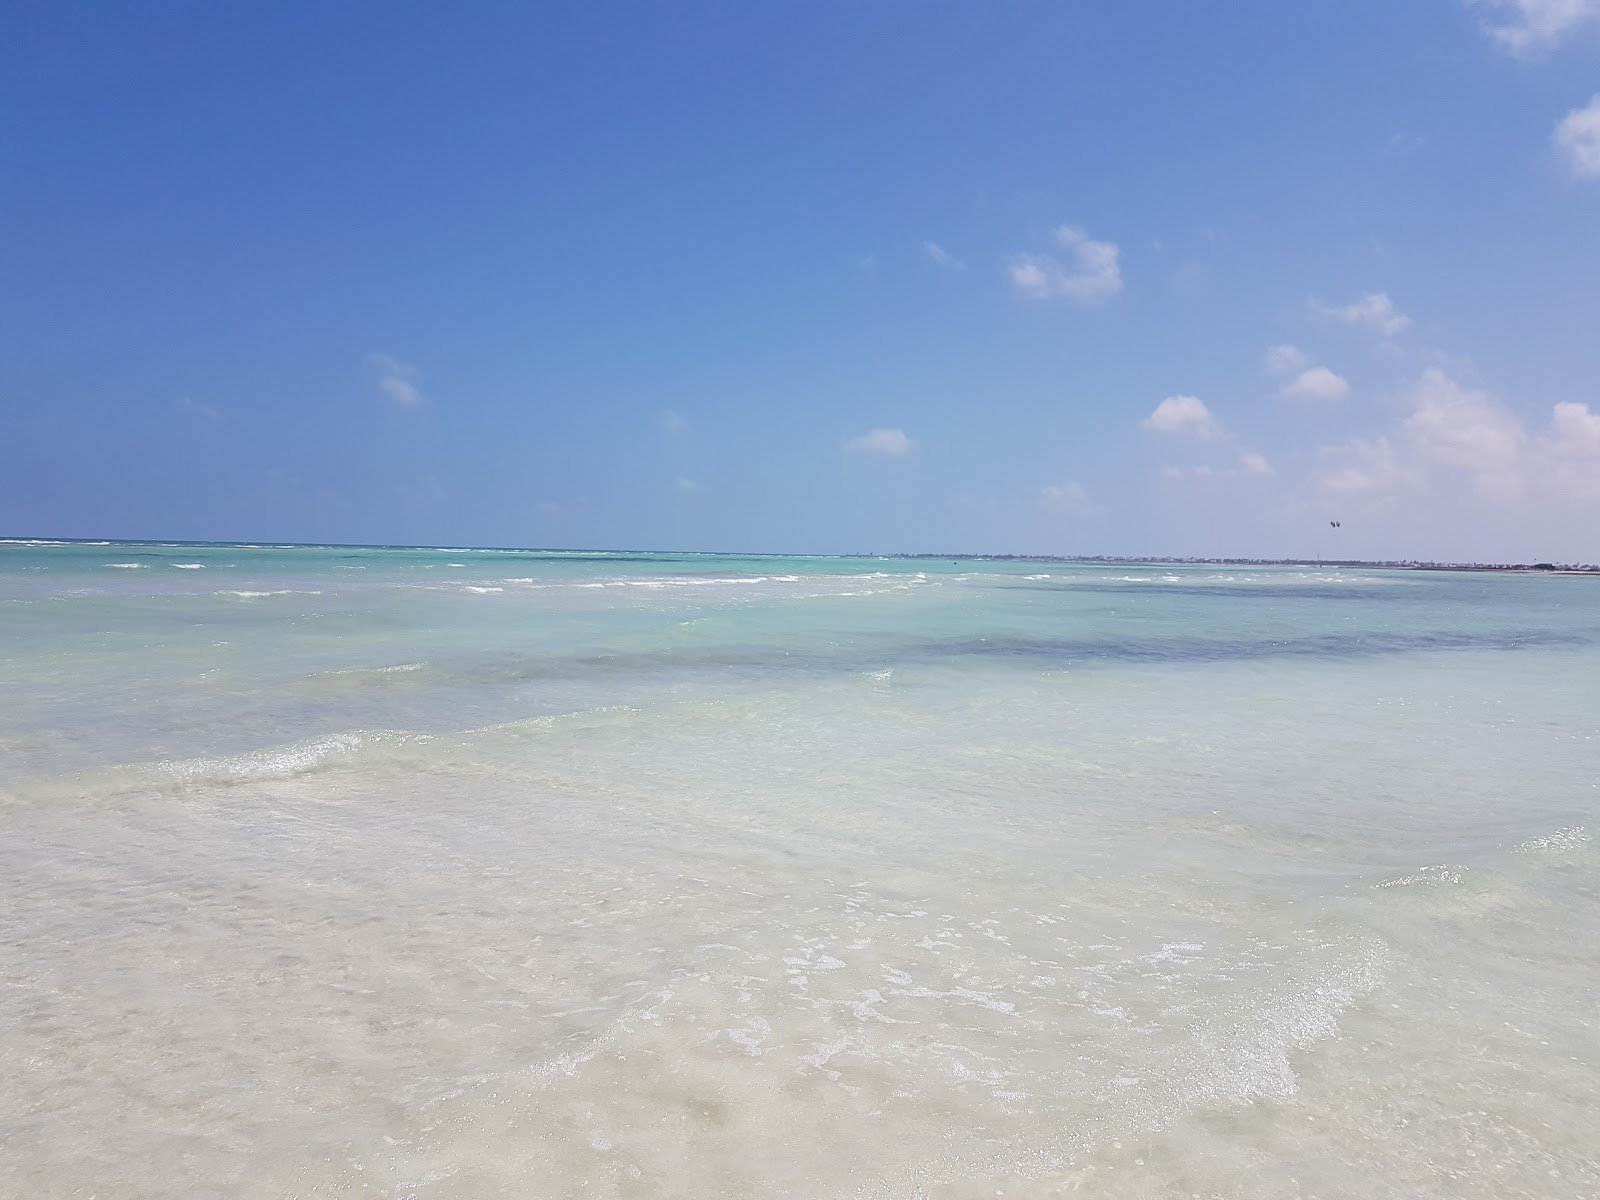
(1034, 278)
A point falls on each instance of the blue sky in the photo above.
(1037, 278)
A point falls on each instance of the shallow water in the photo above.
(453, 873)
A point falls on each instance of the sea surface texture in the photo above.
(333, 872)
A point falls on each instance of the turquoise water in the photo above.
(466, 873)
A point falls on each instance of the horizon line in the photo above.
(1232, 560)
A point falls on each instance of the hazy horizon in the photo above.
(748, 552)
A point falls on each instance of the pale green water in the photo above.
(335, 872)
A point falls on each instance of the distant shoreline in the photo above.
(1541, 568)
(1367, 564)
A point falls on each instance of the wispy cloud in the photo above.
(1248, 464)
(1577, 137)
(672, 422)
(1092, 273)
(880, 441)
(1455, 426)
(942, 257)
(398, 381)
(1316, 383)
(1374, 311)
(1529, 26)
(685, 485)
(190, 405)
(1279, 359)
(1186, 416)
(1366, 466)
(1069, 496)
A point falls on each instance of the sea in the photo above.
(451, 873)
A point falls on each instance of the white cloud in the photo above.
(1249, 464)
(189, 404)
(1281, 359)
(685, 485)
(1578, 138)
(1310, 382)
(1185, 415)
(1455, 429)
(1535, 25)
(1374, 311)
(1092, 275)
(672, 422)
(942, 257)
(398, 381)
(1069, 496)
(880, 441)
(1570, 452)
(1316, 383)
(1366, 467)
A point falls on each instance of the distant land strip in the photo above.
(1541, 568)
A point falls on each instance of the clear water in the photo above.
(450, 873)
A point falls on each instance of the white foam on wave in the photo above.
(397, 669)
(552, 720)
(188, 566)
(1269, 579)
(690, 582)
(283, 762)
(1435, 874)
(127, 566)
(482, 591)
(1574, 837)
(247, 595)
(694, 580)
(981, 1032)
